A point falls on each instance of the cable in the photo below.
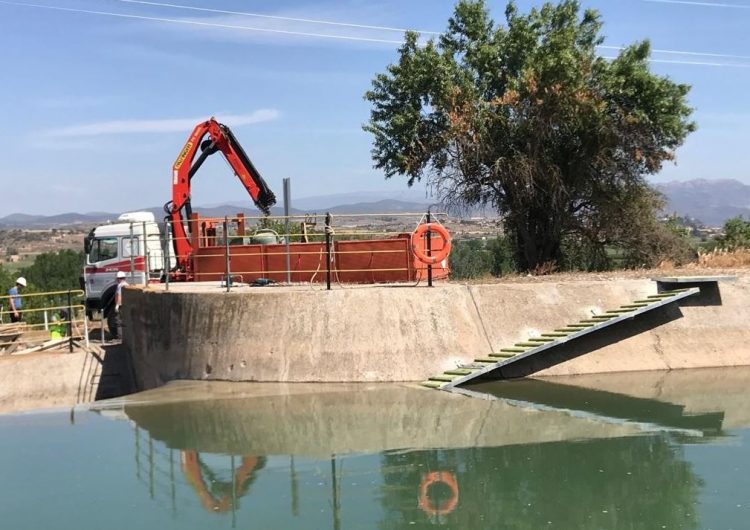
(276, 17)
(204, 24)
(678, 52)
(341, 37)
(700, 4)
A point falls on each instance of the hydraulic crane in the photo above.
(210, 136)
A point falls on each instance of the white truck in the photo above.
(134, 245)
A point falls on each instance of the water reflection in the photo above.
(396, 457)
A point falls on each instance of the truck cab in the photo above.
(133, 245)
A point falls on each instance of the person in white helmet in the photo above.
(117, 332)
(15, 299)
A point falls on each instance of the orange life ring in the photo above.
(435, 256)
(447, 478)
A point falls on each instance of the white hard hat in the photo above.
(121, 274)
(21, 281)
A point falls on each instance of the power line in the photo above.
(700, 4)
(275, 17)
(699, 54)
(341, 37)
(692, 63)
(203, 24)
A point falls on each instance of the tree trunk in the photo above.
(538, 239)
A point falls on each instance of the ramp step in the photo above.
(431, 384)
(532, 344)
(502, 355)
(487, 360)
(555, 334)
(541, 339)
(634, 306)
(445, 378)
(618, 311)
(513, 350)
(460, 371)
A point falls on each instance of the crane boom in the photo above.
(219, 138)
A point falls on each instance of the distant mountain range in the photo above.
(710, 201)
(21, 220)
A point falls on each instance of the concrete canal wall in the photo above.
(393, 333)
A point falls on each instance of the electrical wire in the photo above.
(276, 17)
(353, 38)
(203, 24)
(699, 4)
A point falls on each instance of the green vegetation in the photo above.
(51, 271)
(736, 234)
(528, 118)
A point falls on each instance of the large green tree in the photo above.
(528, 117)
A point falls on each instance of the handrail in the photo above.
(73, 292)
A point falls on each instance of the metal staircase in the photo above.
(546, 341)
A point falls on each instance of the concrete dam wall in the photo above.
(395, 333)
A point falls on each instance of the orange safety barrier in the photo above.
(438, 477)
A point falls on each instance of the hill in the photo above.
(711, 201)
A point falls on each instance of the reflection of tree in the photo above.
(639, 482)
(215, 494)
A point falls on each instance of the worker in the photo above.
(59, 326)
(117, 332)
(15, 299)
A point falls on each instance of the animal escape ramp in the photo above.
(538, 345)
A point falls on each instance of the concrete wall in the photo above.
(386, 333)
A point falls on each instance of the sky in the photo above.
(98, 96)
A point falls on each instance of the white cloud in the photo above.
(157, 126)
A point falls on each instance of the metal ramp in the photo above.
(537, 345)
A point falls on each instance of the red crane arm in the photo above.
(220, 138)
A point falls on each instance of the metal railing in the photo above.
(68, 317)
(214, 238)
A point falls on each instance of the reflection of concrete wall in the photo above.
(318, 420)
(700, 391)
(408, 334)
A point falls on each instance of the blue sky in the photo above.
(97, 106)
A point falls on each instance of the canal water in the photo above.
(652, 450)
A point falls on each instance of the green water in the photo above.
(583, 454)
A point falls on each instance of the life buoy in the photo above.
(444, 477)
(436, 256)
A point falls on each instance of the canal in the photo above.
(643, 450)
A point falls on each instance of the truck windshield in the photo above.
(103, 249)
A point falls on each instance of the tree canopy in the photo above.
(528, 117)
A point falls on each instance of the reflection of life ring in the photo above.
(444, 477)
(435, 256)
(191, 467)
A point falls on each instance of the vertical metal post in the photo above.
(85, 325)
(150, 466)
(132, 257)
(328, 251)
(429, 248)
(166, 253)
(234, 492)
(227, 278)
(172, 482)
(287, 208)
(46, 321)
(70, 322)
(146, 264)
